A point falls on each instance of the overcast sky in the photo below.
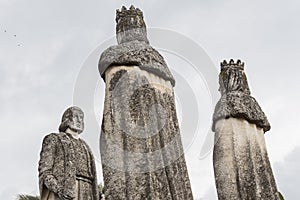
(44, 47)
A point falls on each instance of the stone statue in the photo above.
(140, 144)
(241, 164)
(67, 168)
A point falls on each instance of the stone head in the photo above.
(232, 78)
(73, 119)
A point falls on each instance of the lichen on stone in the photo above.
(236, 100)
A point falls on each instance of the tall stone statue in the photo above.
(67, 167)
(241, 163)
(140, 144)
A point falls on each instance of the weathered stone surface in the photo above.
(130, 25)
(240, 105)
(241, 164)
(133, 47)
(138, 54)
(67, 168)
(236, 100)
(141, 148)
(140, 144)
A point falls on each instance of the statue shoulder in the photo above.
(86, 144)
(50, 138)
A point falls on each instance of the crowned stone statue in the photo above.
(141, 150)
(241, 164)
(67, 168)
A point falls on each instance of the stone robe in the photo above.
(58, 169)
(141, 150)
(241, 162)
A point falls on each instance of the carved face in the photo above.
(76, 121)
(73, 119)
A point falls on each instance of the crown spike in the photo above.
(123, 8)
(132, 7)
(118, 12)
(224, 63)
(232, 64)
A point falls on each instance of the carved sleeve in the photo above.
(46, 163)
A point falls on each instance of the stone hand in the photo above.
(63, 196)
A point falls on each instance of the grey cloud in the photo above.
(37, 78)
(287, 174)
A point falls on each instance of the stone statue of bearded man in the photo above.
(67, 166)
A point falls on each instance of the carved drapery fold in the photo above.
(141, 148)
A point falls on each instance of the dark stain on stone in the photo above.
(116, 77)
(141, 101)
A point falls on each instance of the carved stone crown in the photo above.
(131, 12)
(130, 25)
(232, 64)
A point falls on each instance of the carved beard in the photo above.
(233, 80)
